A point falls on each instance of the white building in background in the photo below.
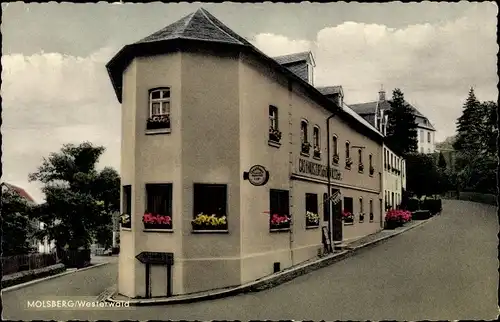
(375, 113)
(394, 178)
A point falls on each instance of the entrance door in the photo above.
(337, 217)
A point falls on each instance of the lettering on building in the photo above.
(319, 170)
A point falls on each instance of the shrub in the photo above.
(413, 204)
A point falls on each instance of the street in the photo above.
(445, 269)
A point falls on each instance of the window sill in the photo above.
(312, 227)
(274, 144)
(276, 230)
(152, 230)
(207, 231)
(371, 221)
(304, 154)
(348, 224)
(359, 171)
(158, 131)
(361, 221)
(317, 158)
(126, 229)
(347, 168)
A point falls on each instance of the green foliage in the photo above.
(423, 176)
(79, 199)
(441, 161)
(16, 225)
(476, 146)
(401, 128)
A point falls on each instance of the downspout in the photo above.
(328, 167)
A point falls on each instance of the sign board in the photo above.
(318, 170)
(257, 175)
(156, 258)
(335, 198)
(326, 239)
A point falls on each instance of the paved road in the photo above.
(443, 270)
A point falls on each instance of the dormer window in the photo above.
(310, 74)
(159, 110)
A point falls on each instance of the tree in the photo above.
(423, 177)
(476, 145)
(441, 161)
(79, 199)
(16, 225)
(469, 125)
(401, 127)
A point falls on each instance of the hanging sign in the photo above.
(156, 258)
(257, 175)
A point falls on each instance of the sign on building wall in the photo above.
(307, 167)
(257, 175)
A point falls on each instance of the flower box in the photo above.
(156, 221)
(361, 217)
(317, 152)
(157, 122)
(279, 222)
(312, 219)
(335, 159)
(347, 217)
(209, 222)
(372, 170)
(361, 167)
(125, 221)
(306, 147)
(348, 163)
(274, 135)
(397, 218)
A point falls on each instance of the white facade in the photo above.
(394, 178)
(426, 140)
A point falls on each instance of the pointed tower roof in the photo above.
(197, 26)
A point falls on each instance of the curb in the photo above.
(68, 271)
(260, 284)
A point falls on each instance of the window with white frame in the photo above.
(335, 145)
(428, 137)
(316, 142)
(159, 109)
(421, 135)
(273, 117)
(303, 131)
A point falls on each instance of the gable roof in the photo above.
(201, 26)
(295, 58)
(20, 192)
(369, 108)
(330, 90)
(361, 120)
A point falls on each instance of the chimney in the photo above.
(381, 94)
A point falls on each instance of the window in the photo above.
(126, 207)
(279, 210)
(159, 109)
(158, 204)
(421, 150)
(335, 146)
(347, 150)
(316, 139)
(317, 142)
(428, 137)
(371, 210)
(274, 133)
(159, 199)
(312, 218)
(209, 199)
(303, 131)
(360, 156)
(348, 207)
(326, 207)
(421, 135)
(370, 160)
(273, 117)
(361, 210)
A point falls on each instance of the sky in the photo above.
(55, 88)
